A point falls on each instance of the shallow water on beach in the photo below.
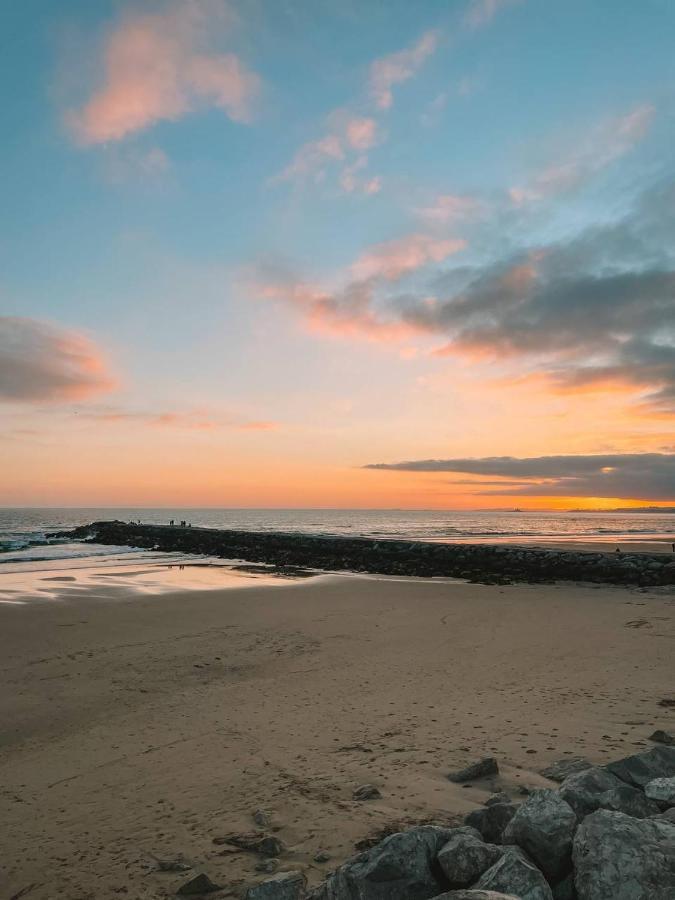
(124, 575)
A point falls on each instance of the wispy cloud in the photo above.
(191, 420)
(633, 476)
(345, 312)
(312, 158)
(481, 12)
(392, 259)
(349, 136)
(608, 141)
(362, 133)
(452, 208)
(396, 68)
(40, 362)
(159, 66)
(351, 309)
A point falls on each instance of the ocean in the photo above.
(25, 534)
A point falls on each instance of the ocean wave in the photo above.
(63, 551)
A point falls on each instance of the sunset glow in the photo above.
(319, 255)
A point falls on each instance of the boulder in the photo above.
(662, 737)
(401, 867)
(491, 821)
(544, 827)
(501, 797)
(481, 769)
(617, 857)
(197, 886)
(662, 791)
(366, 792)
(583, 790)
(284, 886)
(628, 800)
(641, 768)
(254, 842)
(515, 874)
(560, 770)
(474, 895)
(667, 816)
(465, 857)
(565, 890)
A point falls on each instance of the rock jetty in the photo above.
(474, 562)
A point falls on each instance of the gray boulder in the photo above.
(366, 792)
(466, 856)
(662, 737)
(641, 768)
(565, 890)
(583, 790)
(661, 790)
(667, 816)
(481, 769)
(198, 886)
(284, 886)
(474, 895)
(402, 867)
(501, 797)
(628, 800)
(617, 857)
(544, 827)
(491, 821)
(515, 874)
(560, 770)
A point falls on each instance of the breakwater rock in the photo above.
(475, 562)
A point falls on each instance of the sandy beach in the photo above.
(137, 724)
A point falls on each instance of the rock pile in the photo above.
(475, 562)
(590, 839)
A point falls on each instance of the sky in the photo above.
(295, 253)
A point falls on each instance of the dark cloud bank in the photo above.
(640, 476)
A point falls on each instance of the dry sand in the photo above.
(135, 724)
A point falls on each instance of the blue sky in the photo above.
(248, 209)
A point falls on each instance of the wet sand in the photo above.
(140, 723)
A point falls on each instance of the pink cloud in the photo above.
(452, 208)
(362, 133)
(396, 68)
(482, 12)
(352, 181)
(393, 259)
(347, 313)
(40, 362)
(373, 185)
(311, 159)
(352, 310)
(157, 67)
(606, 142)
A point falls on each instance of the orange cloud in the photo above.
(157, 67)
(344, 315)
(393, 259)
(399, 67)
(40, 362)
(190, 420)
